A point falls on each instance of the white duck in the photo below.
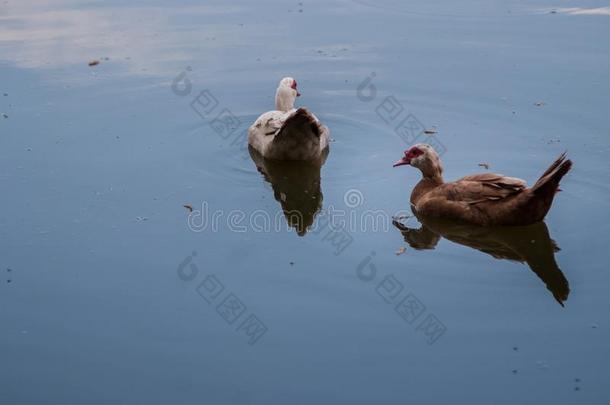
(288, 133)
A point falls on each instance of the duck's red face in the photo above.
(409, 154)
(294, 86)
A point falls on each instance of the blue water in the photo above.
(111, 294)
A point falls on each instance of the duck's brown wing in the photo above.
(476, 199)
(484, 187)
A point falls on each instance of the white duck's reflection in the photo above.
(296, 186)
(530, 245)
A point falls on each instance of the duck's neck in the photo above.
(426, 184)
(284, 99)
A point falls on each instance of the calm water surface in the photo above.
(110, 294)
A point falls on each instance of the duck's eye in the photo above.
(414, 152)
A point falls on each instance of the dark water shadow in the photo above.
(530, 245)
(296, 186)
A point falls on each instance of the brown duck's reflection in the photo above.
(296, 186)
(530, 245)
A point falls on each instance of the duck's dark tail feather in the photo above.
(549, 181)
(301, 121)
(298, 139)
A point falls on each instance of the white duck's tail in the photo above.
(300, 138)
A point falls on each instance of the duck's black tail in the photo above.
(299, 137)
(549, 181)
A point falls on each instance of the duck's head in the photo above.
(286, 94)
(423, 157)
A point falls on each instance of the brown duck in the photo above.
(485, 199)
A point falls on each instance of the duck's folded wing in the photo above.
(270, 122)
(483, 187)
